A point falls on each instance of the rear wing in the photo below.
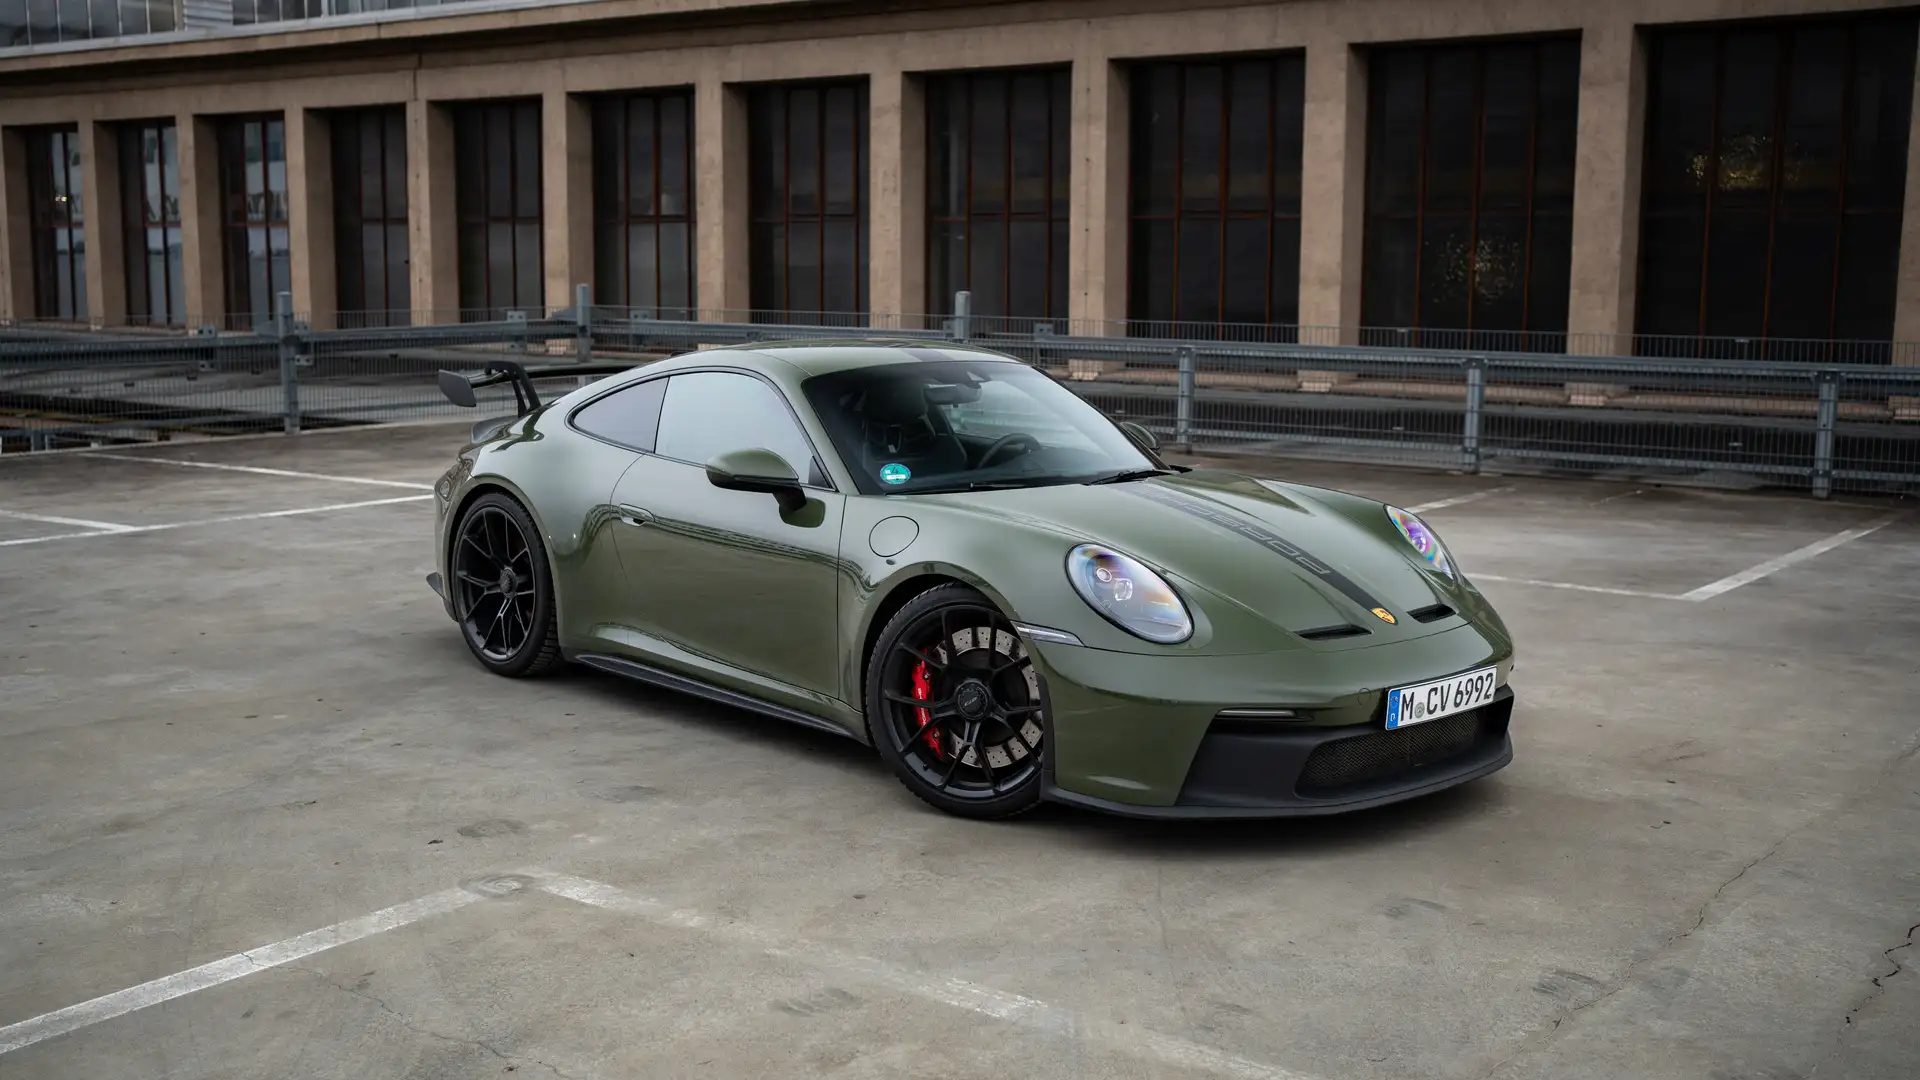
(459, 388)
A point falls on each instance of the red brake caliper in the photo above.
(923, 691)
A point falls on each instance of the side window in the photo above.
(711, 412)
(630, 416)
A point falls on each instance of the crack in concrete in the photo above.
(1541, 1038)
(1879, 988)
(419, 1029)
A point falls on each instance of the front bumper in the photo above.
(1142, 737)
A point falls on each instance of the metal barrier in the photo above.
(1819, 427)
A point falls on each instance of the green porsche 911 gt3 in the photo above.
(943, 552)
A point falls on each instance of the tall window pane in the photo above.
(807, 151)
(1214, 236)
(1470, 194)
(253, 184)
(497, 192)
(1775, 174)
(57, 214)
(643, 202)
(150, 216)
(996, 196)
(371, 263)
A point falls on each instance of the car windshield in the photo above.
(962, 425)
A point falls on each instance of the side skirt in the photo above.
(667, 680)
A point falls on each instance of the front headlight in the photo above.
(1424, 540)
(1128, 594)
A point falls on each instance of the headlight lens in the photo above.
(1128, 594)
(1424, 540)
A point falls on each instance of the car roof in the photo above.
(818, 357)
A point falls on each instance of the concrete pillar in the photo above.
(1606, 189)
(16, 240)
(897, 139)
(566, 126)
(432, 216)
(720, 200)
(204, 288)
(105, 228)
(1097, 197)
(1333, 193)
(1906, 309)
(310, 216)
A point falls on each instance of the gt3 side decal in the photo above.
(1259, 534)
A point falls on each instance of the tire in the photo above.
(513, 634)
(988, 764)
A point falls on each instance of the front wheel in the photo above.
(502, 588)
(955, 706)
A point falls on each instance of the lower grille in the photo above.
(1364, 758)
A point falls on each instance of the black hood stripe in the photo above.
(1259, 534)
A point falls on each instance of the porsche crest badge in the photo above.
(1385, 615)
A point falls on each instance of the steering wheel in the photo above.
(1005, 441)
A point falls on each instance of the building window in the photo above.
(643, 202)
(1469, 225)
(497, 150)
(370, 216)
(253, 185)
(49, 22)
(1215, 216)
(997, 160)
(58, 216)
(150, 213)
(1775, 172)
(808, 191)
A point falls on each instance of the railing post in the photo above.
(962, 315)
(518, 319)
(288, 347)
(1476, 404)
(583, 323)
(1829, 413)
(1183, 403)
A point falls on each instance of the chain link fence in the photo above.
(1822, 417)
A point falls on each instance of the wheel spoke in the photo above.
(475, 579)
(933, 725)
(923, 657)
(953, 766)
(993, 781)
(901, 699)
(1020, 710)
(999, 669)
(475, 544)
(499, 620)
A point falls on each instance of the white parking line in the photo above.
(1753, 574)
(82, 523)
(1459, 500)
(1576, 587)
(958, 993)
(261, 470)
(131, 530)
(121, 1002)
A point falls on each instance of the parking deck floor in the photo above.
(262, 815)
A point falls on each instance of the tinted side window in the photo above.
(711, 412)
(629, 417)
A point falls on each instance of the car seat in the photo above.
(898, 430)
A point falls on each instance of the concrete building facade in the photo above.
(1528, 174)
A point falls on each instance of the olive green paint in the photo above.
(779, 601)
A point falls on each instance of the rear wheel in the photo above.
(503, 589)
(955, 706)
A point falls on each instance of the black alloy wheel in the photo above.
(503, 589)
(955, 706)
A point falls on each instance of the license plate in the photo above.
(1411, 705)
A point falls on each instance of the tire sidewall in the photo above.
(543, 607)
(1021, 799)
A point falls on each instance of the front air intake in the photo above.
(1430, 614)
(1331, 633)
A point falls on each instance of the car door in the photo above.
(730, 587)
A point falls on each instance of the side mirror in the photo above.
(1140, 435)
(758, 470)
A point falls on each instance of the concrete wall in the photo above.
(641, 44)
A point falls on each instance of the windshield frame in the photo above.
(822, 392)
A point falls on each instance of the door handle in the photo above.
(634, 515)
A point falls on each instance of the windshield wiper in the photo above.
(1128, 475)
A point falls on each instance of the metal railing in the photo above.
(1820, 427)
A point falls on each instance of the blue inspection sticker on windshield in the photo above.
(895, 473)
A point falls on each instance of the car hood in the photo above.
(1291, 559)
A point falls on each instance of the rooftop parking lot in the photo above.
(261, 814)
